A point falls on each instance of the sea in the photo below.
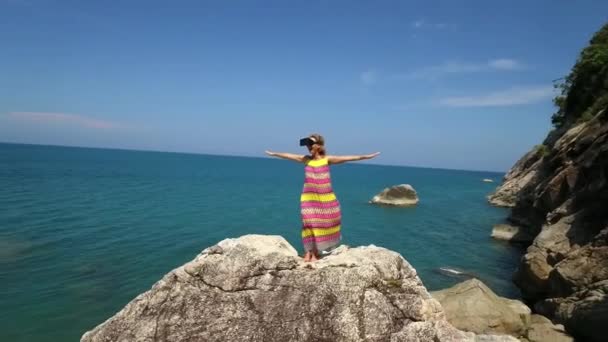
(83, 231)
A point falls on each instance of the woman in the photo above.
(320, 209)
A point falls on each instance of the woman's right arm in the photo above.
(289, 156)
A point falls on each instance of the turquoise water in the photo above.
(83, 231)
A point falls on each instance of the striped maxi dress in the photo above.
(320, 209)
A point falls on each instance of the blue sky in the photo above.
(450, 84)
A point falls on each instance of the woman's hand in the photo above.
(344, 159)
(270, 153)
(370, 156)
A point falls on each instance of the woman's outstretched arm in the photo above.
(344, 159)
(300, 158)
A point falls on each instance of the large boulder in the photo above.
(584, 313)
(556, 264)
(472, 306)
(541, 329)
(398, 195)
(256, 288)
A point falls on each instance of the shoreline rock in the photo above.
(472, 306)
(402, 195)
(256, 288)
(517, 178)
(558, 194)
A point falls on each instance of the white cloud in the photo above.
(369, 77)
(424, 24)
(62, 118)
(508, 97)
(454, 67)
(505, 64)
(418, 23)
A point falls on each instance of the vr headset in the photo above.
(306, 142)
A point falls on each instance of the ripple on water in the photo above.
(13, 249)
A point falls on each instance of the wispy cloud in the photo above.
(62, 118)
(368, 77)
(451, 67)
(505, 64)
(509, 97)
(420, 24)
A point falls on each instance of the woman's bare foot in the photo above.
(314, 257)
(307, 256)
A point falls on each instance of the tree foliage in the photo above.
(586, 84)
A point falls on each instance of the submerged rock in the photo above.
(256, 288)
(511, 233)
(398, 195)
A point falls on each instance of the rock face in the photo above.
(542, 330)
(560, 197)
(520, 175)
(398, 195)
(472, 306)
(256, 288)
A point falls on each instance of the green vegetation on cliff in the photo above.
(584, 91)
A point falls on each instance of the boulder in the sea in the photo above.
(511, 233)
(399, 195)
(256, 288)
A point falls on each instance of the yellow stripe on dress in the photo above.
(318, 197)
(319, 232)
(317, 163)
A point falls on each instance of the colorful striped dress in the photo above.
(320, 208)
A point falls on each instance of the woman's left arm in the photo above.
(344, 159)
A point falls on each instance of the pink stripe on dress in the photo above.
(321, 216)
(317, 204)
(317, 181)
(316, 190)
(318, 225)
(319, 169)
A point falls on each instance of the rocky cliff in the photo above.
(256, 288)
(558, 193)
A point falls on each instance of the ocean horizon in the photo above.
(261, 155)
(85, 230)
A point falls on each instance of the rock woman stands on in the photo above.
(320, 209)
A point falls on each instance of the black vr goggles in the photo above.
(306, 142)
